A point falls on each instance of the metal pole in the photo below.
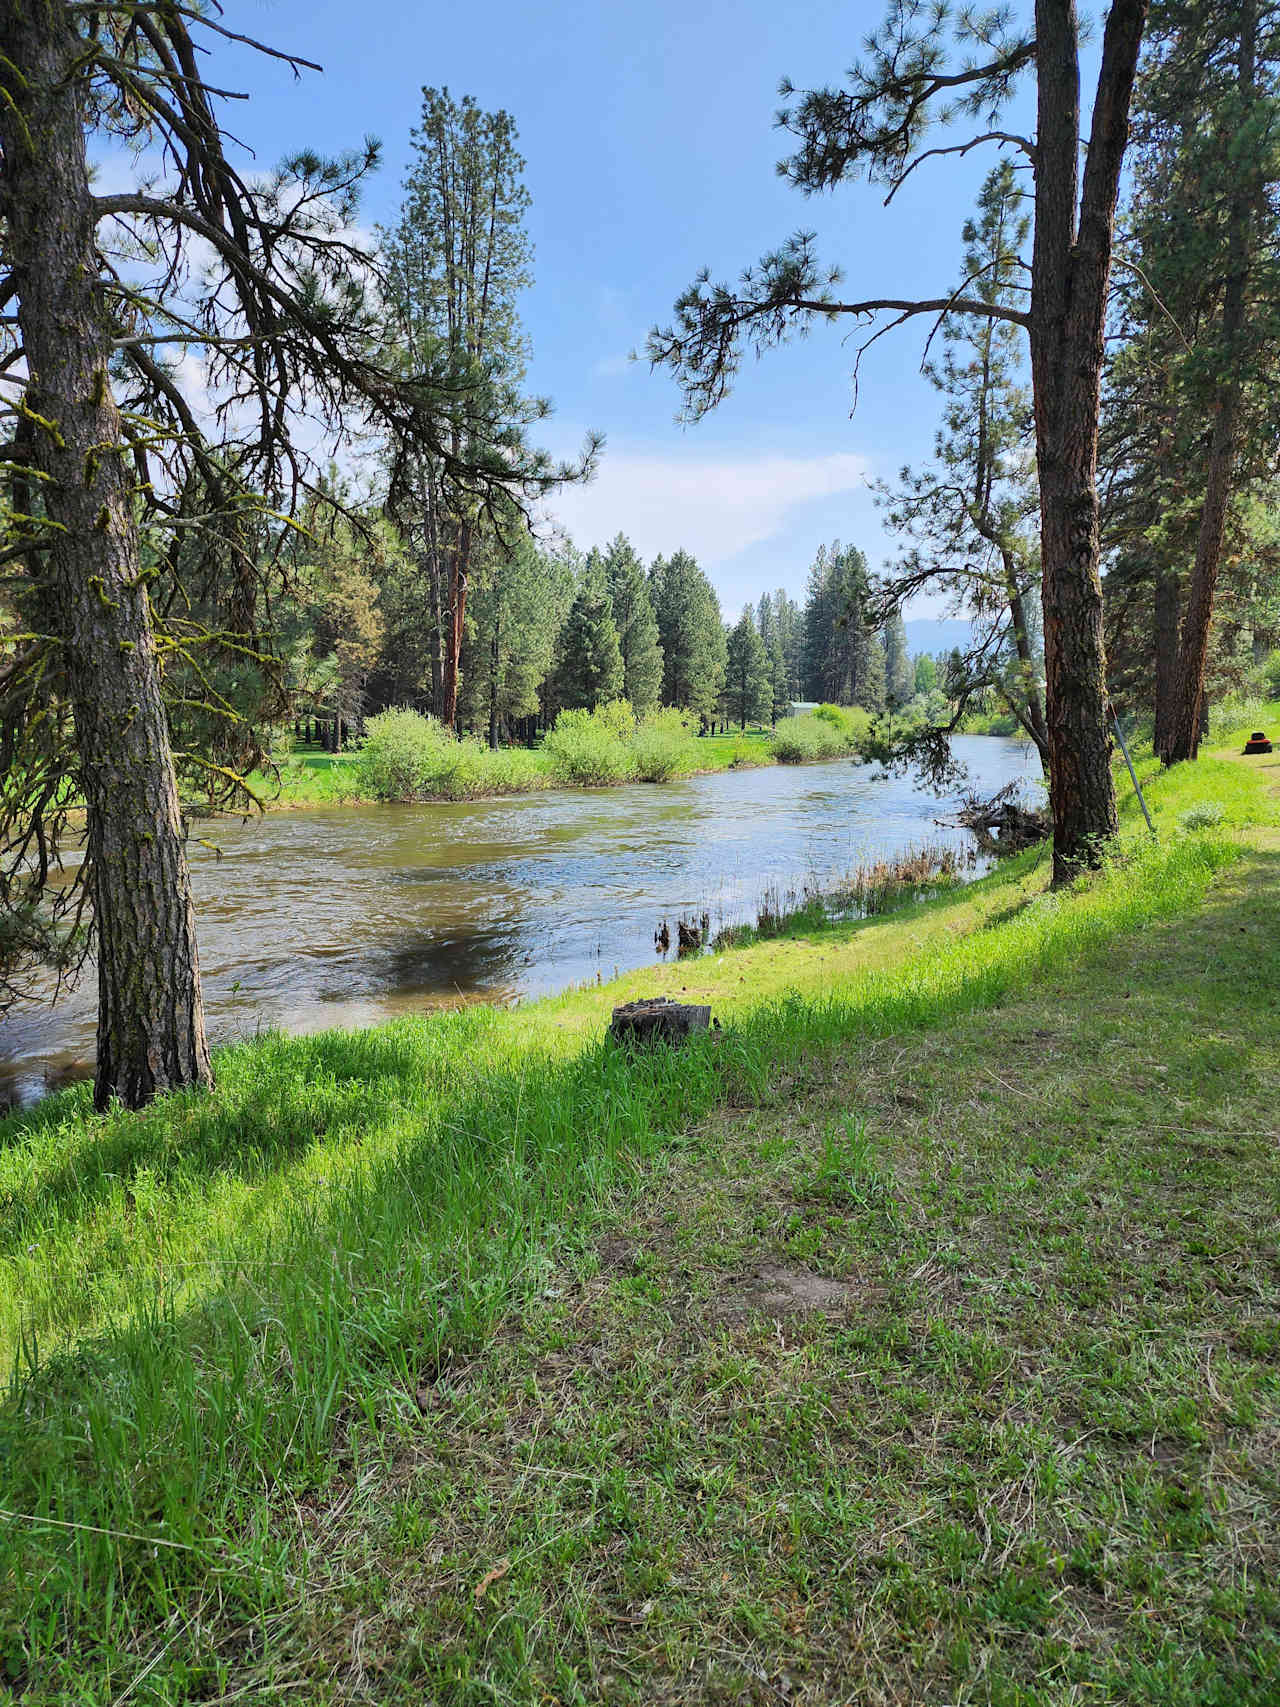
(1137, 786)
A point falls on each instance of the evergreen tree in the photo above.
(589, 669)
(748, 689)
(925, 67)
(691, 633)
(968, 519)
(899, 674)
(636, 624)
(137, 486)
(520, 602)
(456, 264)
(842, 662)
(1189, 428)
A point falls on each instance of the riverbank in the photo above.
(915, 1338)
(597, 753)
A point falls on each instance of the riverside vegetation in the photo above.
(408, 757)
(915, 1337)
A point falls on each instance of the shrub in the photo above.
(401, 753)
(406, 756)
(1246, 710)
(664, 746)
(585, 747)
(1207, 816)
(800, 739)
(617, 717)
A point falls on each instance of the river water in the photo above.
(348, 915)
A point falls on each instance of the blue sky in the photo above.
(650, 150)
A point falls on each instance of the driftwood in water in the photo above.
(1001, 824)
(693, 934)
(658, 1019)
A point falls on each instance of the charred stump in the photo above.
(658, 1019)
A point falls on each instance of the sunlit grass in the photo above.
(223, 1313)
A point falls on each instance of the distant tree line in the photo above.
(550, 629)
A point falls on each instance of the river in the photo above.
(348, 915)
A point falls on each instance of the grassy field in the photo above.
(916, 1337)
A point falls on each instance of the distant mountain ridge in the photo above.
(936, 634)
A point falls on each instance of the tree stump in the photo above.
(658, 1019)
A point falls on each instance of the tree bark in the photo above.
(1071, 265)
(1183, 737)
(151, 1033)
(458, 583)
(495, 667)
(1167, 601)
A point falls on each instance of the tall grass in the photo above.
(218, 1304)
(865, 891)
(217, 1307)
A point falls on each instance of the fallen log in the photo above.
(1003, 825)
(658, 1019)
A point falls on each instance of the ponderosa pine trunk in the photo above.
(459, 581)
(1183, 738)
(1168, 597)
(1071, 265)
(151, 1033)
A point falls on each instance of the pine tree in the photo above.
(691, 634)
(841, 661)
(636, 624)
(899, 674)
(748, 689)
(928, 67)
(134, 525)
(968, 519)
(1189, 429)
(589, 669)
(520, 603)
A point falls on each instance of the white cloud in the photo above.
(609, 367)
(713, 506)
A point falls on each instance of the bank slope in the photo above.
(918, 1335)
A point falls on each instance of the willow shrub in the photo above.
(592, 747)
(665, 746)
(406, 756)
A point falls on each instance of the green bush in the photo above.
(1244, 710)
(401, 750)
(798, 740)
(664, 746)
(1207, 816)
(406, 756)
(586, 747)
(826, 733)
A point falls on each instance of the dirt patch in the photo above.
(616, 1253)
(772, 1289)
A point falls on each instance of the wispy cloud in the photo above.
(712, 505)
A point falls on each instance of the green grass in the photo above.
(299, 1364)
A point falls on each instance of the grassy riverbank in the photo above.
(914, 1338)
(309, 776)
(599, 751)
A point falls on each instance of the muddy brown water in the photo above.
(344, 916)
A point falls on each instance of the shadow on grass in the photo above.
(185, 1421)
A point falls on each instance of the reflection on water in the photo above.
(348, 915)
